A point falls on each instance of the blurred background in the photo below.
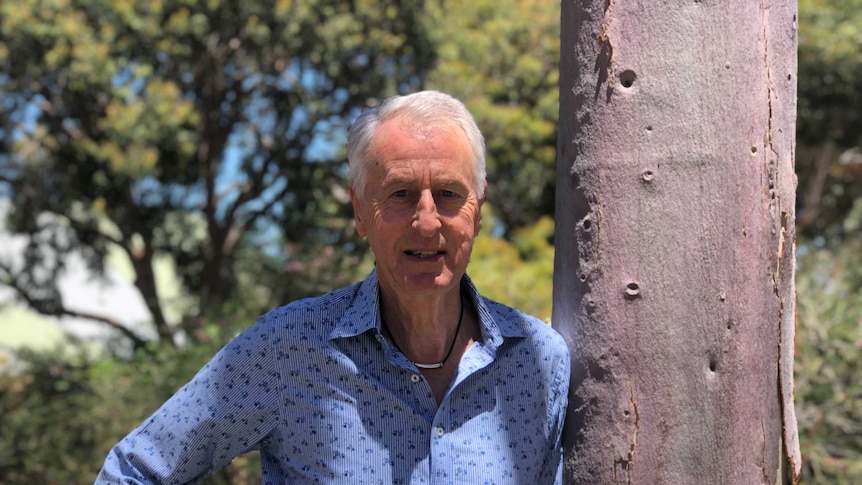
(170, 169)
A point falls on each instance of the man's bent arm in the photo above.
(226, 410)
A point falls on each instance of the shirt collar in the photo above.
(364, 314)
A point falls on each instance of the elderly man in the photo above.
(410, 376)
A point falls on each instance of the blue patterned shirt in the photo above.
(327, 398)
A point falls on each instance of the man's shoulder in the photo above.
(534, 344)
(320, 309)
(532, 327)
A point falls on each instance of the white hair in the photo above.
(424, 106)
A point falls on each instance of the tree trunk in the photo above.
(675, 240)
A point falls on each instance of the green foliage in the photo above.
(65, 412)
(518, 273)
(830, 41)
(829, 133)
(828, 365)
(829, 218)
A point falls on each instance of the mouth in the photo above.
(425, 254)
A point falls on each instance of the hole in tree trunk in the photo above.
(627, 78)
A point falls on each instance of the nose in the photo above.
(426, 220)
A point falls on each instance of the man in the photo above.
(407, 377)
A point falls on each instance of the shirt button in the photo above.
(440, 431)
(379, 337)
(415, 378)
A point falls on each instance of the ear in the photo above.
(357, 213)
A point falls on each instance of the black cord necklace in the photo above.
(451, 347)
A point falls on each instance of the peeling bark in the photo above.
(676, 240)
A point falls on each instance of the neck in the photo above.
(425, 332)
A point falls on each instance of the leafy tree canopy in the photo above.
(517, 272)
(181, 126)
(829, 135)
(829, 358)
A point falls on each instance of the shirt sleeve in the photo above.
(227, 409)
(553, 470)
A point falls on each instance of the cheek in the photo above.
(472, 220)
(381, 230)
(378, 220)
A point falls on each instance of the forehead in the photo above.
(404, 140)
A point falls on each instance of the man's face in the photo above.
(419, 210)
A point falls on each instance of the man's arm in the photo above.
(226, 410)
(558, 403)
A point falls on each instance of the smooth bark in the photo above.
(675, 240)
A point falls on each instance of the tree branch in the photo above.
(93, 228)
(137, 341)
(57, 309)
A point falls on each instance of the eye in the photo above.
(447, 194)
(399, 193)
